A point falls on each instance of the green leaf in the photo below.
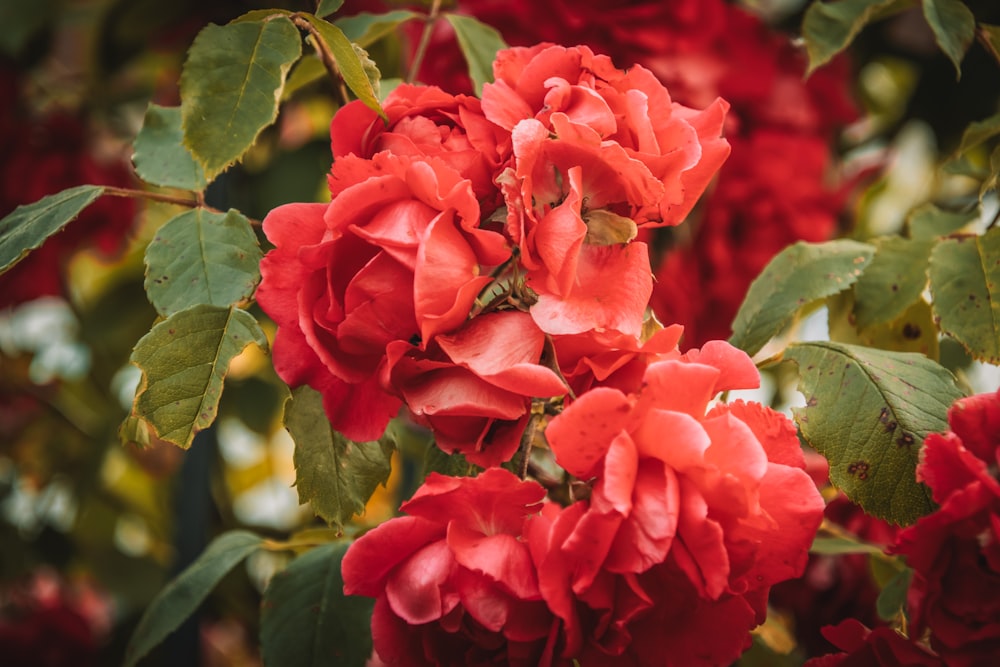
(307, 70)
(797, 276)
(829, 27)
(184, 595)
(23, 20)
(895, 279)
(327, 7)
(868, 412)
(989, 36)
(160, 157)
(479, 43)
(929, 222)
(202, 257)
(184, 360)
(349, 62)
(231, 85)
(892, 599)
(307, 621)
(365, 29)
(979, 132)
(838, 546)
(954, 28)
(29, 225)
(965, 282)
(337, 476)
(912, 331)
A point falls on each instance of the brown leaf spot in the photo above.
(905, 439)
(911, 331)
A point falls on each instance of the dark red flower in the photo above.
(955, 551)
(881, 647)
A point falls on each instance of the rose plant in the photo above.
(512, 294)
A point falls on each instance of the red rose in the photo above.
(722, 492)
(473, 388)
(395, 256)
(426, 122)
(454, 582)
(881, 647)
(955, 551)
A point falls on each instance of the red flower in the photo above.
(454, 582)
(396, 256)
(427, 122)
(955, 551)
(881, 647)
(722, 492)
(473, 388)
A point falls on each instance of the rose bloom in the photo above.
(425, 121)
(599, 153)
(454, 582)
(397, 255)
(881, 647)
(722, 491)
(955, 551)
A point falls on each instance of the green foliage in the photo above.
(892, 600)
(160, 157)
(797, 276)
(337, 476)
(27, 227)
(184, 360)
(954, 28)
(231, 86)
(990, 37)
(479, 44)
(365, 29)
(350, 62)
(183, 595)
(868, 412)
(327, 7)
(893, 281)
(202, 257)
(838, 546)
(928, 222)
(307, 621)
(965, 281)
(829, 27)
(21, 21)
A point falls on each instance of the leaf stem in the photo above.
(425, 38)
(325, 55)
(154, 196)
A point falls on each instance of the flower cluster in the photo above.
(776, 190)
(479, 266)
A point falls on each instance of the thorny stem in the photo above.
(425, 38)
(325, 55)
(198, 201)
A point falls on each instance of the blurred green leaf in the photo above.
(479, 43)
(23, 20)
(929, 222)
(231, 86)
(868, 412)
(160, 157)
(184, 360)
(349, 61)
(965, 282)
(894, 280)
(979, 132)
(989, 36)
(954, 28)
(182, 597)
(797, 276)
(202, 257)
(365, 29)
(829, 27)
(27, 227)
(336, 475)
(307, 621)
(892, 599)
(307, 70)
(837, 546)
(327, 7)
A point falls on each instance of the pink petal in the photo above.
(501, 557)
(371, 559)
(581, 434)
(414, 589)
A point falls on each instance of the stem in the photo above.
(153, 196)
(325, 55)
(425, 38)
